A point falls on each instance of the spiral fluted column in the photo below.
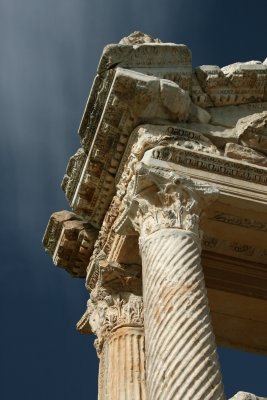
(164, 208)
(181, 357)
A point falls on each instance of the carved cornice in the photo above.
(159, 199)
(144, 81)
(129, 90)
(145, 137)
(69, 240)
(163, 60)
(234, 84)
(132, 98)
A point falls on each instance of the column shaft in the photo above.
(123, 366)
(181, 359)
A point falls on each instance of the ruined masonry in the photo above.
(168, 226)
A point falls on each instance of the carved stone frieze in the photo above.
(209, 163)
(198, 95)
(163, 60)
(234, 84)
(103, 243)
(133, 98)
(147, 137)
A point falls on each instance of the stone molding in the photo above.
(110, 117)
(133, 98)
(210, 163)
(234, 84)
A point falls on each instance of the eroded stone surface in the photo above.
(244, 153)
(115, 315)
(252, 131)
(70, 242)
(122, 98)
(157, 141)
(234, 84)
(246, 396)
(138, 37)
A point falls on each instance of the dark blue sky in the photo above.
(49, 53)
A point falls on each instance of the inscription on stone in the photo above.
(239, 221)
(210, 164)
(184, 133)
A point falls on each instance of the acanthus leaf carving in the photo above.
(159, 199)
(115, 301)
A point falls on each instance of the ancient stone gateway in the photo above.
(168, 191)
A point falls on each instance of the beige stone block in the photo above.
(70, 241)
(243, 153)
(252, 131)
(247, 396)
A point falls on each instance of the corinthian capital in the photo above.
(115, 301)
(159, 198)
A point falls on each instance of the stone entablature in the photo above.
(170, 182)
(128, 98)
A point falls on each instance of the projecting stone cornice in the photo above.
(208, 125)
(162, 60)
(134, 98)
(125, 95)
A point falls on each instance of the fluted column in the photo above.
(181, 358)
(115, 312)
(123, 374)
(181, 353)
